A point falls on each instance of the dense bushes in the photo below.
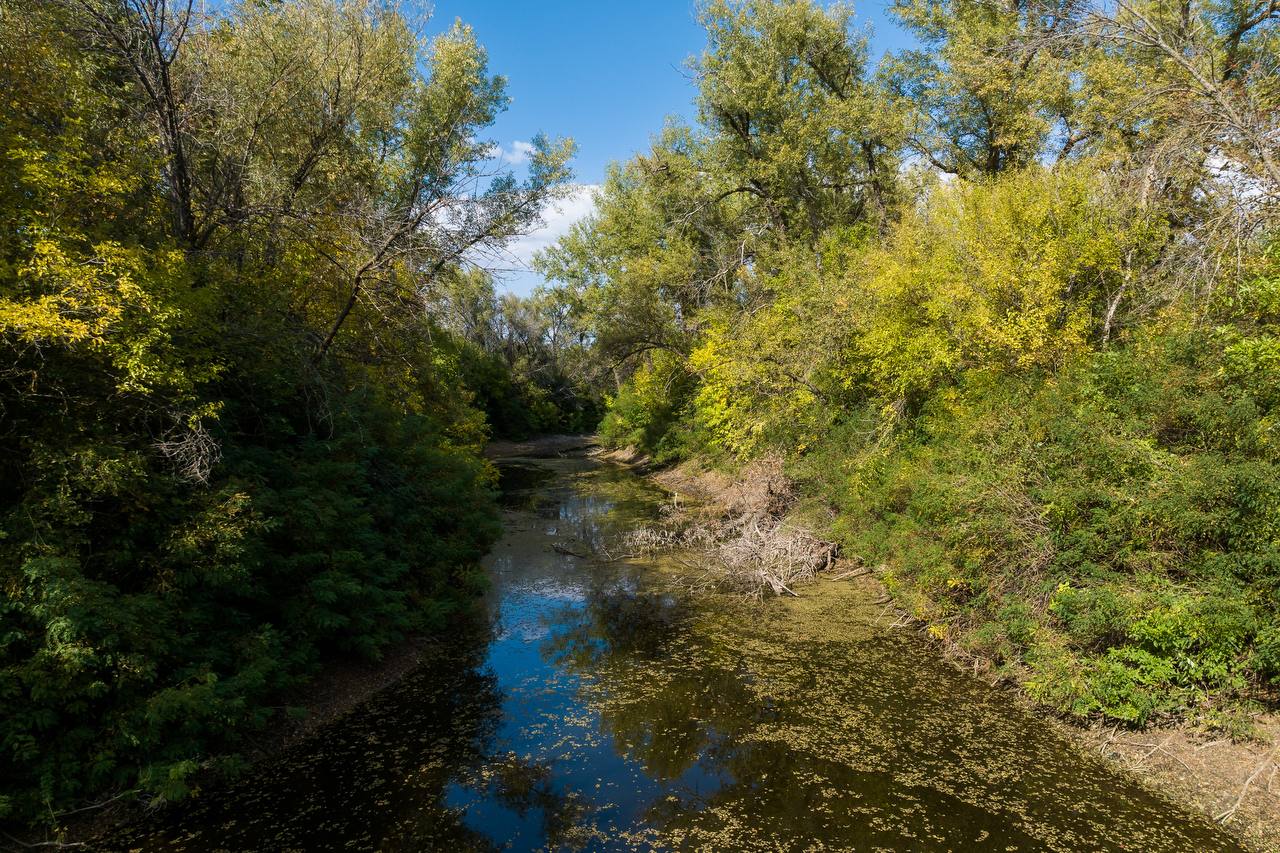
(150, 638)
(236, 441)
(1030, 376)
(652, 411)
(1103, 526)
(1107, 535)
(519, 403)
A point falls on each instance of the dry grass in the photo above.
(1237, 783)
(736, 535)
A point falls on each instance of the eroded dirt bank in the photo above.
(540, 447)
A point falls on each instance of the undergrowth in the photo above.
(1109, 536)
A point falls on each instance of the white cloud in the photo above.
(557, 219)
(517, 155)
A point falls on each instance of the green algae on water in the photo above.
(600, 706)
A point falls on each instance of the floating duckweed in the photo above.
(599, 707)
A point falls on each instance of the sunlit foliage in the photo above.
(238, 439)
(1021, 354)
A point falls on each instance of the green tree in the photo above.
(792, 121)
(993, 89)
(238, 442)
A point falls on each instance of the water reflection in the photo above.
(597, 707)
(774, 732)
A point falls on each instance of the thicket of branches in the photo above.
(239, 433)
(1006, 303)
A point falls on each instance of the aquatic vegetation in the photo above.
(601, 705)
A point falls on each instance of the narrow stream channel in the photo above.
(600, 709)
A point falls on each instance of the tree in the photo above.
(793, 140)
(333, 126)
(1216, 63)
(996, 83)
(237, 440)
(791, 120)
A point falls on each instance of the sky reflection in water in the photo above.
(598, 708)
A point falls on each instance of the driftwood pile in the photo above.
(741, 540)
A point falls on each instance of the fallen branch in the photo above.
(1159, 746)
(750, 548)
(1177, 758)
(854, 573)
(32, 845)
(100, 804)
(1230, 813)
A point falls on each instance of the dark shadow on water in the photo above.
(373, 779)
(518, 483)
(602, 708)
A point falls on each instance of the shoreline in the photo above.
(340, 688)
(1194, 772)
(540, 447)
(1235, 783)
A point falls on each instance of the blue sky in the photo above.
(606, 73)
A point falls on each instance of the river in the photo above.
(598, 707)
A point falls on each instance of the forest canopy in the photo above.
(1004, 302)
(248, 365)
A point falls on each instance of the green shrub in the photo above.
(651, 412)
(153, 627)
(1266, 653)
(1122, 512)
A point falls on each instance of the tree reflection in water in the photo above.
(374, 778)
(772, 727)
(600, 707)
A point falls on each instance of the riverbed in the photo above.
(597, 705)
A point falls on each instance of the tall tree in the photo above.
(1215, 65)
(993, 87)
(792, 140)
(792, 121)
